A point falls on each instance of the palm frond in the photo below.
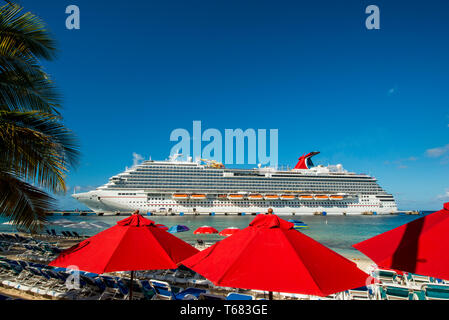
(25, 33)
(22, 203)
(24, 85)
(33, 92)
(37, 147)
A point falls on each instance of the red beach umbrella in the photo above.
(205, 230)
(135, 243)
(419, 246)
(228, 231)
(270, 255)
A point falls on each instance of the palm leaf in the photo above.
(33, 92)
(22, 203)
(24, 85)
(25, 33)
(37, 147)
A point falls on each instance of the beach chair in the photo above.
(362, 293)
(413, 280)
(19, 238)
(163, 290)
(165, 275)
(433, 292)
(198, 280)
(76, 234)
(6, 247)
(181, 276)
(147, 289)
(391, 292)
(111, 289)
(71, 235)
(239, 296)
(123, 290)
(387, 276)
(190, 294)
(208, 296)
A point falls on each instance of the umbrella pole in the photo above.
(131, 286)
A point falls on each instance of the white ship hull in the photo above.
(110, 203)
(176, 188)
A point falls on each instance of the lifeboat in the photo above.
(180, 196)
(271, 197)
(336, 197)
(321, 197)
(255, 197)
(198, 196)
(235, 196)
(287, 197)
(222, 196)
(306, 197)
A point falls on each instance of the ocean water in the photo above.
(336, 232)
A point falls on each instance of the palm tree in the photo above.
(36, 149)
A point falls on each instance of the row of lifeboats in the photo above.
(237, 196)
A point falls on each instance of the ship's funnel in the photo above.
(305, 161)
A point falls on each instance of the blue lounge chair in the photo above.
(416, 280)
(190, 294)
(435, 292)
(239, 296)
(387, 276)
(147, 290)
(389, 292)
(163, 290)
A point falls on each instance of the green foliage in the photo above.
(35, 146)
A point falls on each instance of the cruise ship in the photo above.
(207, 187)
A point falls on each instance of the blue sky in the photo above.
(374, 100)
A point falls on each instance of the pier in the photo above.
(316, 213)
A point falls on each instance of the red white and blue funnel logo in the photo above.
(305, 161)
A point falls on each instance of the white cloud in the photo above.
(437, 152)
(401, 163)
(444, 196)
(392, 91)
(137, 158)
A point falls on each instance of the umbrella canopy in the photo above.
(228, 231)
(178, 228)
(419, 246)
(205, 230)
(270, 255)
(135, 243)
